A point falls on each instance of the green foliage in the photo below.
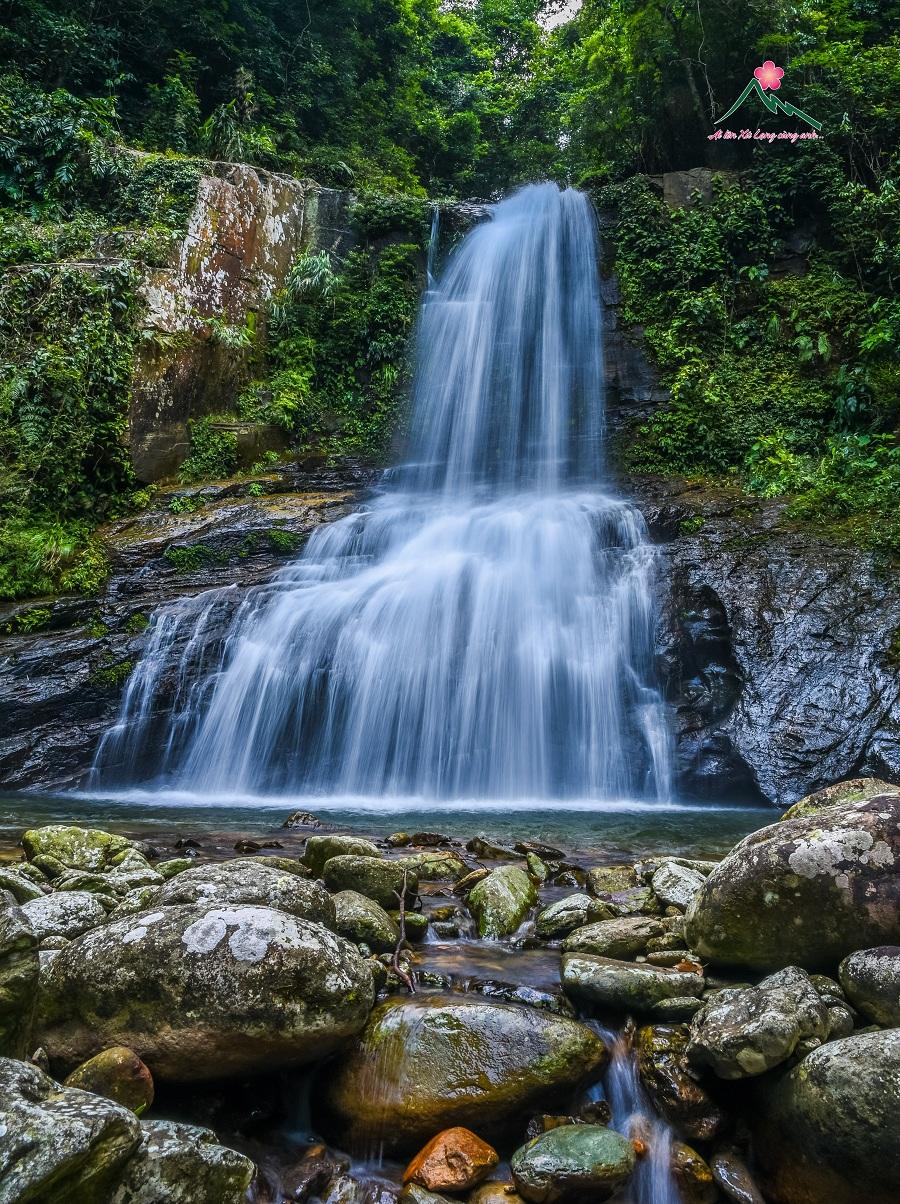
(111, 674)
(339, 350)
(213, 451)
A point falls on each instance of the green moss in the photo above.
(690, 526)
(32, 619)
(284, 541)
(136, 624)
(188, 559)
(111, 675)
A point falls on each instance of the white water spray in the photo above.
(483, 628)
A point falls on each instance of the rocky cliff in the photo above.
(780, 652)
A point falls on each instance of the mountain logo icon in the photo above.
(765, 83)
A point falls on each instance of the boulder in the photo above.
(65, 913)
(21, 888)
(747, 1031)
(320, 849)
(454, 1160)
(625, 986)
(59, 1144)
(827, 1129)
(244, 881)
(608, 879)
(183, 1164)
(666, 1076)
(433, 1062)
(871, 981)
(373, 877)
(856, 790)
(565, 915)
(571, 1164)
(676, 885)
(204, 992)
(622, 937)
(732, 1175)
(362, 920)
(57, 847)
(172, 867)
(693, 1176)
(19, 966)
(804, 891)
(497, 1191)
(434, 866)
(501, 901)
(118, 1074)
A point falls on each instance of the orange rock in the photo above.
(453, 1161)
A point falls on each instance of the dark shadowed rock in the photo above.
(827, 1130)
(667, 1078)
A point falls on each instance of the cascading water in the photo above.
(483, 628)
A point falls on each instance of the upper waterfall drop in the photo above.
(483, 628)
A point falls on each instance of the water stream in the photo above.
(483, 627)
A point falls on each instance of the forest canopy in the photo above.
(769, 305)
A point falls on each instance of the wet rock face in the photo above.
(827, 1130)
(60, 685)
(667, 1078)
(434, 1062)
(775, 647)
(204, 992)
(804, 892)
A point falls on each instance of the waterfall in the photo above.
(483, 626)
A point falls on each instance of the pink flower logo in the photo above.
(769, 75)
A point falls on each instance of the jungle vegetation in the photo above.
(769, 305)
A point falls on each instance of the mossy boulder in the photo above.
(65, 913)
(434, 865)
(572, 1164)
(565, 915)
(19, 966)
(246, 881)
(748, 1030)
(59, 1144)
(118, 1074)
(204, 992)
(856, 790)
(378, 879)
(22, 888)
(827, 1129)
(320, 849)
(431, 1063)
(871, 981)
(58, 847)
(622, 937)
(501, 901)
(804, 891)
(362, 920)
(626, 986)
(183, 1164)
